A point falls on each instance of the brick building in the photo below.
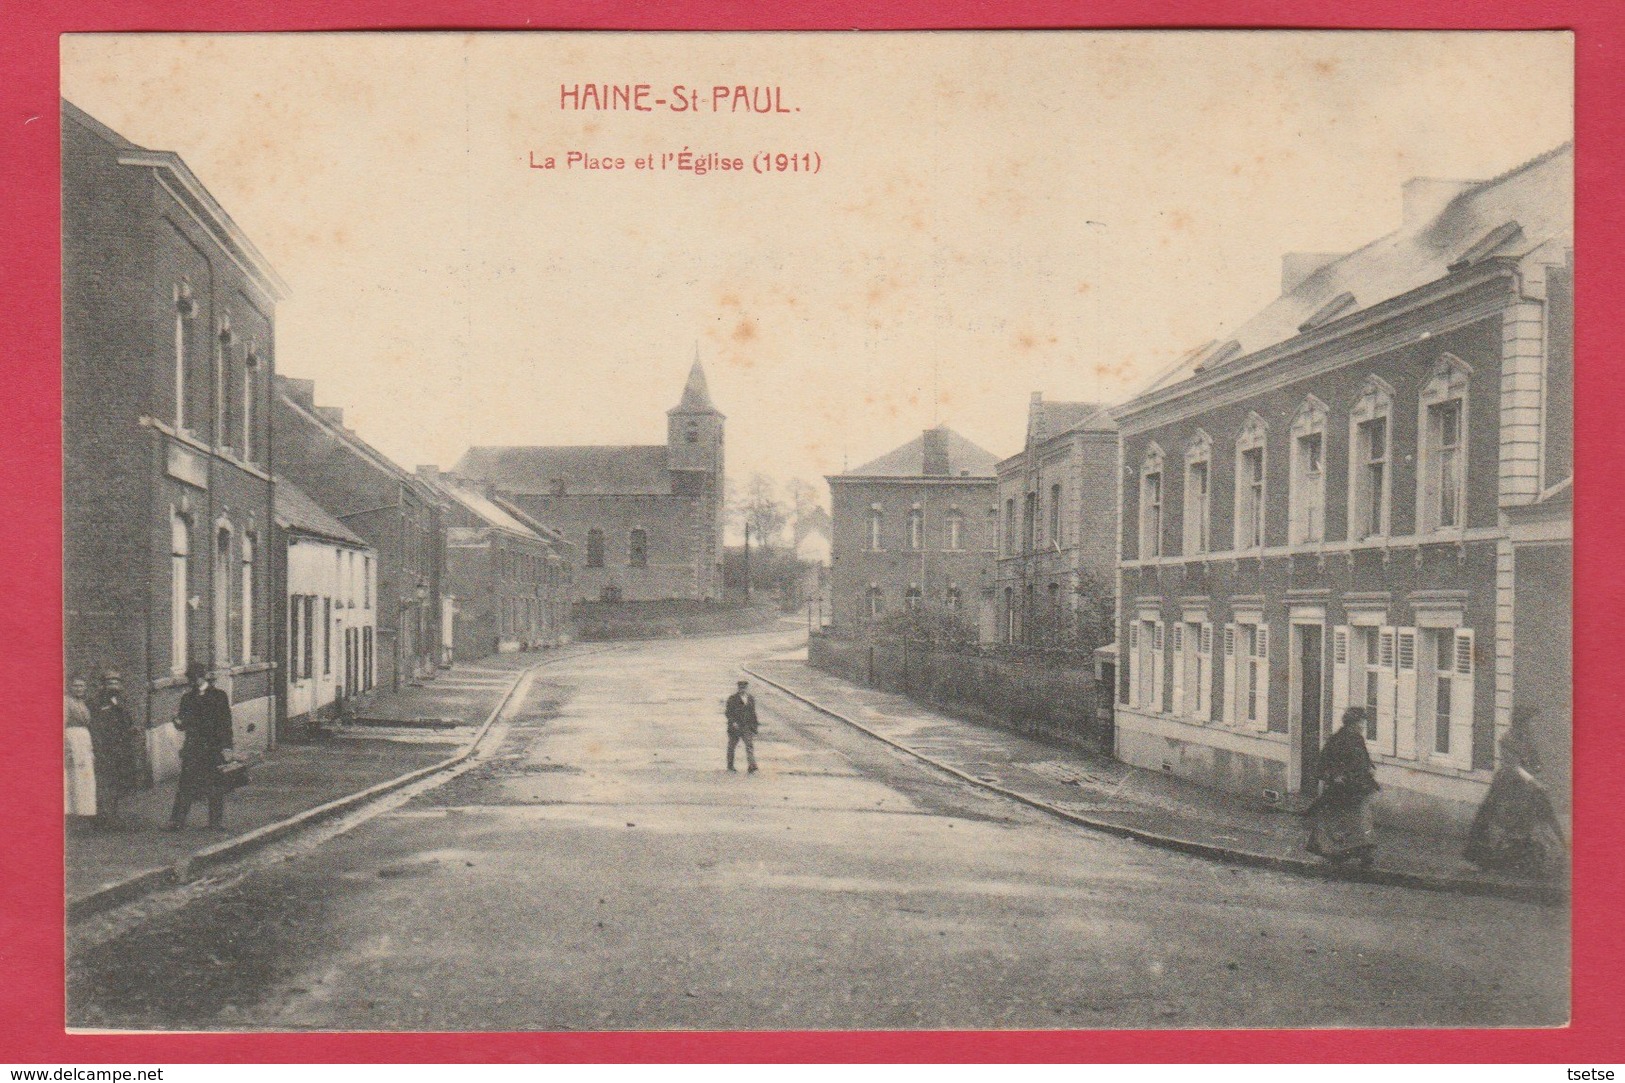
(646, 521)
(915, 527)
(167, 361)
(509, 576)
(1363, 498)
(1057, 502)
(387, 506)
(328, 608)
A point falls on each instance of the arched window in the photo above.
(1151, 502)
(1370, 476)
(180, 550)
(1441, 490)
(1055, 514)
(637, 549)
(1306, 511)
(874, 528)
(185, 309)
(248, 595)
(1250, 448)
(1198, 495)
(223, 593)
(956, 530)
(251, 364)
(916, 528)
(595, 548)
(874, 602)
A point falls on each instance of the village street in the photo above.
(599, 870)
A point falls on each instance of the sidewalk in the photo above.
(294, 777)
(1111, 796)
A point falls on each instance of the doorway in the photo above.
(1307, 702)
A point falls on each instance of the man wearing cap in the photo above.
(117, 744)
(204, 716)
(741, 714)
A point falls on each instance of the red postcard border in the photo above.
(31, 991)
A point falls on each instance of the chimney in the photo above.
(302, 392)
(1425, 197)
(333, 415)
(934, 452)
(1297, 266)
(1035, 417)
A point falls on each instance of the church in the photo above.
(646, 520)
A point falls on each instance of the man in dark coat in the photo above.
(741, 713)
(119, 746)
(204, 716)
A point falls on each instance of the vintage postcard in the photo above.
(810, 531)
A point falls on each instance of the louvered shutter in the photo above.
(1229, 674)
(1204, 674)
(1340, 673)
(1157, 656)
(1404, 720)
(1261, 645)
(1461, 702)
(1179, 669)
(1133, 663)
(1385, 681)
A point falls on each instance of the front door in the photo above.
(1308, 666)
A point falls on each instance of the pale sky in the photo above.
(996, 213)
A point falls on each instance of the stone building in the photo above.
(509, 576)
(913, 528)
(1057, 504)
(1363, 498)
(645, 521)
(387, 506)
(167, 359)
(328, 609)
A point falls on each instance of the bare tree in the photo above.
(756, 506)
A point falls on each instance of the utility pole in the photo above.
(747, 562)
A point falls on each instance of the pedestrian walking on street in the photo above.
(1516, 828)
(78, 755)
(742, 725)
(1343, 829)
(204, 716)
(114, 739)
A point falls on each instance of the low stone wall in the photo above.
(1049, 702)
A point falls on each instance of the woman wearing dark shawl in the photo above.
(1516, 829)
(1343, 828)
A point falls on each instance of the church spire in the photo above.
(696, 396)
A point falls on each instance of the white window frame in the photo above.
(1252, 671)
(1375, 403)
(1306, 508)
(1197, 525)
(251, 364)
(1434, 626)
(225, 339)
(185, 309)
(875, 525)
(874, 601)
(955, 530)
(1055, 514)
(913, 597)
(221, 582)
(1151, 512)
(1254, 436)
(180, 594)
(916, 528)
(1193, 667)
(1448, 383)
(249, 547)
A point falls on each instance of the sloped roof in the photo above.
(482, 506)
(608, 470)
(296, 511)
(1508, 215)
(965, 459)
(696, 395)
(351, 439)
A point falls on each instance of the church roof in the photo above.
(609, 470)
(696, 395)
(964, 459)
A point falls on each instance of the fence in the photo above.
(1036, 698)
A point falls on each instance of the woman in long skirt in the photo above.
(1343, 829)
(78, 759)
(1516, 828)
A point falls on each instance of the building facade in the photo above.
(390, 509)
(509, 577)
(1057, 546)
(1362, 499)
(329, 610)
(645, 521)
(915, 528)
(168, 354)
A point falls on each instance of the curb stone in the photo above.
(1545, 894)
(186, 868)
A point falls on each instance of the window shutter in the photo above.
(1340, 673)
(1156, 668)
(1179, 669)
(1461, 702)
(1404, 720)
(1261, 644)
(1229, 674)
(1133, 661)
(1385, 681)
(1204, 674)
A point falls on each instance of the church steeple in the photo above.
(696, 395)
(694, 426)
